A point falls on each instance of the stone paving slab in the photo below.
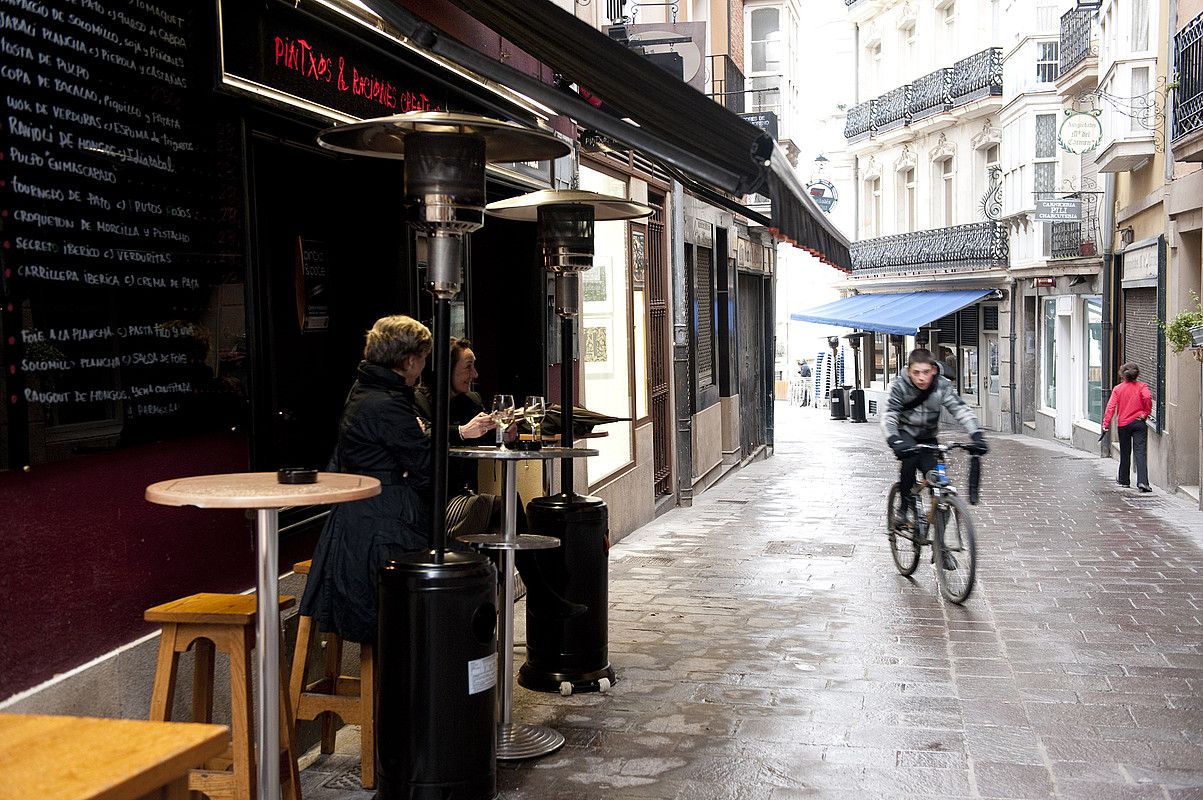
(767, 650)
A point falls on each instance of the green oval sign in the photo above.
(1080, 131)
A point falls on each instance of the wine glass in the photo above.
(534, 411)
(503, 415)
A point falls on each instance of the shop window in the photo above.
(1094, 359)
(1048, 353)
(605, 331)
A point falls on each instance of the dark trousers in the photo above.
(1133, 442)
(924, 460)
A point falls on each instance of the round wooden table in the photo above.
(262, 492)
(515, 740)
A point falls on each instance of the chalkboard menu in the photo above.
(122, 316)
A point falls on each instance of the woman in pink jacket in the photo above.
(1130, 405)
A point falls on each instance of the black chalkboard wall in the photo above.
(123, 270)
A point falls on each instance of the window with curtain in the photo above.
(947, 191)
(1045, 169)
(1140, 25)
(1140, 100)
(1048, 352)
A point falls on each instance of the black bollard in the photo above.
(436, 661)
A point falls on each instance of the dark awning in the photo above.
(902, 314)
(669, 120)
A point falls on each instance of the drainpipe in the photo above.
(1169, 97)
(682, 380)
(1110, 341)
(1014, 295)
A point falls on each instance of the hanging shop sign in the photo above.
(765, 120)
(1080, 131)
(1068, 210)
(824, 194)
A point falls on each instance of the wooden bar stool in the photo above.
(348, 697)
(224, 622)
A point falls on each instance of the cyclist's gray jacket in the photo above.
(923, 420)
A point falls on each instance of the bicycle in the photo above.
(947, 515)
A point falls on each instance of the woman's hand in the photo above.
(477, 427)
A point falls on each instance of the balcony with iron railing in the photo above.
(1188, 98)
(974, 247)
(1078, 54)
(948, 88)
(1074, 239)
(726, 82)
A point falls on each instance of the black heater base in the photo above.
(571, 655)
(436, 678)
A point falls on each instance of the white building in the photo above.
(923, 130)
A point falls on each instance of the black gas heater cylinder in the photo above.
(567, 655)
(436, 679)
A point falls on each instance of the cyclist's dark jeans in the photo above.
(924, 460)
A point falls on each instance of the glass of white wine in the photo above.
(503, 415)
(534, 411)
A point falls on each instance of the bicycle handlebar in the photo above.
(944, 448)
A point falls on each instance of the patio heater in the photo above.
(569, 654)
(435, 717)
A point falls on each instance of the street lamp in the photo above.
(571, 653)
(435, 606)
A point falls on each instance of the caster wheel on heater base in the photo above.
(566, 688)
(603, 685)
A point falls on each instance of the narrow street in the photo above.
(766, 649)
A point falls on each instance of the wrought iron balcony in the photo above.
(1076, 44)
(726, 82)
(892, 109)
(931, 94)
(1188, 62)
(960, 248)
(859, 122)
(1075, 239)
(979, 75)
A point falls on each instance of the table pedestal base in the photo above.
(517, 740)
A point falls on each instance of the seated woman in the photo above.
(469, 511)
(378, 436)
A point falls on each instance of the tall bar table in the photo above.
(262, 492)
(515, 740)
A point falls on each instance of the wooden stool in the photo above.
(346, 696)
(224, 622)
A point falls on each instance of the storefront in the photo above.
(187, 280)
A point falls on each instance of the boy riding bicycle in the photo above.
(913, 417)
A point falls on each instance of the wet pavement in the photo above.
(766, 649)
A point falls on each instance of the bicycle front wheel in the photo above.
(955, 546)
(902, 531)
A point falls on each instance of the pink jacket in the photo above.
(1130, 400)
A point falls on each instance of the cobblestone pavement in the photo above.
(766, 649)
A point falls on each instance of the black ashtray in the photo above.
(296, 475)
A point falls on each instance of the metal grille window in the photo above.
(1141, 335)
(989, 318)
(968, 320)
(1047, 61)
(704, 310)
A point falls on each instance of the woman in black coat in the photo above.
(378, 436)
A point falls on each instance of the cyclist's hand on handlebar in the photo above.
(902, 445)
(979, 446)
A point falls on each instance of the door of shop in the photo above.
(752, 348)
(659, 363)
(329, 259)
(991, 407)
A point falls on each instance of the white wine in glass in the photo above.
(503, 415)
(534, 411)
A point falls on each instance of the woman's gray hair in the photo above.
(393, 338)
(1129, 371)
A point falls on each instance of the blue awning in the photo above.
(891, 313)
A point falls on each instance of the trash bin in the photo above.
(838, 408)
(566, 655)
(436, 679)
(856, 406)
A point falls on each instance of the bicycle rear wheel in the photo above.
(902, 540)
(956, 537)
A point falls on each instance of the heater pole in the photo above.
(439, 436)
(567, 377)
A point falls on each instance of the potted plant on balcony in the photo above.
(1086, 248)
(1185, 329)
